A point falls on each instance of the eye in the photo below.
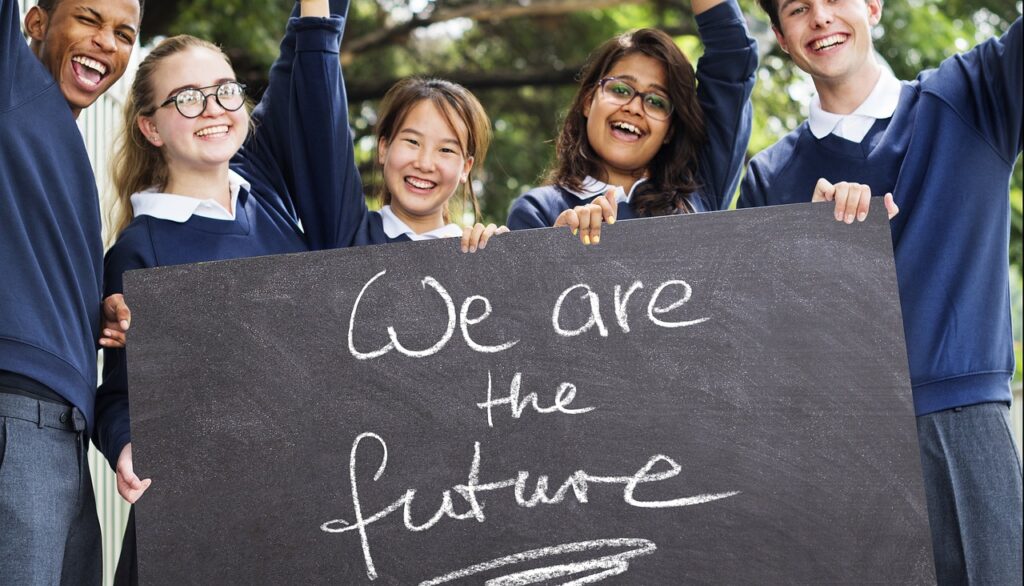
(87, 20)
(189, 97)
(621, 89)
(797, 10)
(657, 102)
(127, 38)
(449, 151)
(411, 141)
(229, 90)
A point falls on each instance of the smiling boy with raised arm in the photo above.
(944, 145)
(51, 257)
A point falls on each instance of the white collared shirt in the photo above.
(179, 208)
(395, 227)
(591, 187)
(880, 104)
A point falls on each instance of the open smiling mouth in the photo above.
(828, 42)
(90, 71)
(219, 130)
(626, 129)
(422, 184)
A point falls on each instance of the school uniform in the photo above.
(51, 255)
(725, 80)
(285, 186)
(944, 145)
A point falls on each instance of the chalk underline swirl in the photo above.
(602, 567)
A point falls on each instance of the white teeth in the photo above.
(419, 183)
(90, 63)
(222, 129)
(829, 41)
(627, 127)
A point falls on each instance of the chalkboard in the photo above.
(715, 398)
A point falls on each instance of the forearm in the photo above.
(315, 8)
(700, 6)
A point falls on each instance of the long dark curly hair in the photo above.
(673, 170)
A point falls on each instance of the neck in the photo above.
(846, 95)
(209, 183)
(419, 224)
(624, 179)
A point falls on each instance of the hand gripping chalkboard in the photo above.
(715, 398)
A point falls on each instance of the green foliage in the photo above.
(914, 35)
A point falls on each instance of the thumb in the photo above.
(823, 191)
(890, 206)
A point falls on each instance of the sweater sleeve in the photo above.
(725, 80)
(302, 140)
(752, 190)
(112, 429)
(984, 86)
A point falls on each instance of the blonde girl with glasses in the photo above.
(198, 178)
(646, 135)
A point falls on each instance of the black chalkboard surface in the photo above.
(718, 398)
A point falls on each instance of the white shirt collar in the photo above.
(179, 208)
(880, 104)
(592, 187)
(395, 227)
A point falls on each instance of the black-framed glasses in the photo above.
(620, 92)
(191, 102)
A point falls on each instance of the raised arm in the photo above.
(984, 86)
(725, 80)
(302, 144)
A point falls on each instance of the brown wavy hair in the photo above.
(673, 170)
(455, 103)
(136, 164)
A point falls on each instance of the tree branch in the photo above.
(358, 91)
(482, 11)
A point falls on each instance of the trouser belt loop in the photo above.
(39, 414)
(77, 420)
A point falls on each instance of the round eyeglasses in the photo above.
(619, 92)
(191, 102)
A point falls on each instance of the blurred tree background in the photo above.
(520, 57)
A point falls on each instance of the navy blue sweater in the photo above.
(291, 161)
(725, 79)
(946, 155)
(51, 249)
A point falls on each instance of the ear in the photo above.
(874, 11)
(37, 21)
(781, 39)
(466, 168)
(148, 129)
(382, 151)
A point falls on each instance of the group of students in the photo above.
(198, 177)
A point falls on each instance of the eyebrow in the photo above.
(192, 86)
(656, 86)
(418, 133)
(786, 3)
(99, 16)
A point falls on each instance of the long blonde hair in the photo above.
(136, 164)
(455, 103)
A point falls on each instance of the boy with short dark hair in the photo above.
(51, 256)
(944, 145)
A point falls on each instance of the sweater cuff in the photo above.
(718, 27)
(317, 34)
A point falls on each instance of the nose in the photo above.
(212, 107)
(425, 160)
(104, 39)
(821, 15)
(635, 105)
